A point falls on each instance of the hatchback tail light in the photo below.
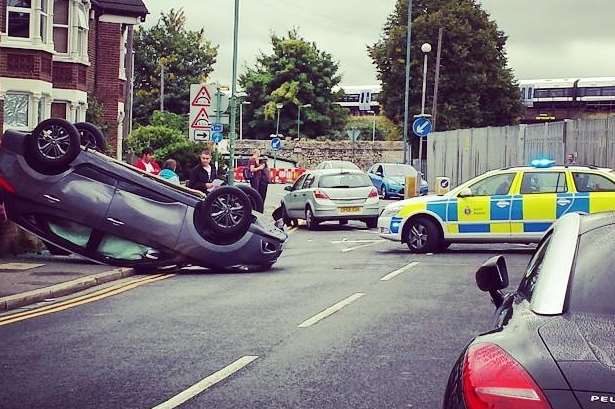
(373, 193)
(319, 194)
(492, 379)
(6, 186)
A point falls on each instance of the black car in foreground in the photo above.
(56, 184)
(553, 345)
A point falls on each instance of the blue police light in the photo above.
(542, 163)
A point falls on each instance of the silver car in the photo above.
(337, 164)
(332, 195)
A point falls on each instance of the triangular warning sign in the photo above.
(202, 98)
(201, 120)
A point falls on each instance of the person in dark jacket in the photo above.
(263, 182)
(202, 175)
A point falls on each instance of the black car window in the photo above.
(121, 249)
(591, 182)
(592, 285)
(96, 174)
(528, 283)
(544, 182)
(380, 170)
(299, 182)
(309, 181)
(72, 232)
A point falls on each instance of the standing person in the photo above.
(168, 171)
(147, 163)
(256, 167)
(263, 183)
(202, 175)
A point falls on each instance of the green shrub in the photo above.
(170, 120)
(156, 137)
(386, 130)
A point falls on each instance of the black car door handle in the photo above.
(115, 221)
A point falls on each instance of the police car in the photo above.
(511, 205)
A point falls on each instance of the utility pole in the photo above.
(232, 132)
(407, 146)
(426, 49)
(434, 108)
(161, 85)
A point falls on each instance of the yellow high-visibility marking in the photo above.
(85, 299)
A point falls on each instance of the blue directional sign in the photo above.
(422, 126)
(276, 144)
(217, 128)
(217, 137)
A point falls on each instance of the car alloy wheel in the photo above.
(309, 219)
(53, 142)
(419, 236)
(423, 235)
(52, 146)
(227, 211)
(91, 137)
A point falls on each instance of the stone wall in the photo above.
(15, 241)
(308, 154)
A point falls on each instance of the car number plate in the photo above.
(349, 209)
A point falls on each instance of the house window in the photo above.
(44, 18)
(81, 48)
(60, 26)
(58, 110)
(19, 12)
(123, 52)
(16, 110)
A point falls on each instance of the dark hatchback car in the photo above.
(553, 346)
(55, 185)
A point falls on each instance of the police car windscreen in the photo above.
(345, 180)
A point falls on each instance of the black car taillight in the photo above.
(6, 186)
(492, 379)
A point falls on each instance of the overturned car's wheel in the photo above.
(52, 146)
(91, 137)
(255, 198)
(226, 211)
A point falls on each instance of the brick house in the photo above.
(56, 53)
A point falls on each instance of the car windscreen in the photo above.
(399, 170)
(345, 180)
(593, 281)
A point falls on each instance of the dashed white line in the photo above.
(331, 310)
(395, 273)
(206, 383)
(346, 250)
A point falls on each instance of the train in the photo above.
(360, 99)
(568, 91)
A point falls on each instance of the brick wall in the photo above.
(107, 88)
(92, 54)
(1, 117)
(3, 4)
(26, 64)
(70, 76)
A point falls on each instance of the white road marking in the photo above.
(19, 266)
(208, 382)
(331, 310)
(346, 250)
(395, 273)
(346, 241)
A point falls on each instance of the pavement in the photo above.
(32, 278)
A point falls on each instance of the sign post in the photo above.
(353, 134)
(276, 145)
(200, 104)
(422, 127)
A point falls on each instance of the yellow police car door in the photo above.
(486, 211)
(543, 197)
(594, 192)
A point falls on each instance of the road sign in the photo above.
(445, 183)
(217, 137)
(201, 120)
(276, 144)
(422, 126)
(353, 134)
(217, 128)
(201, 136)
(200, 96)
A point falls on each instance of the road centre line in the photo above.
(85, 299)
(206, 383)
(395, 273)
(330, 311)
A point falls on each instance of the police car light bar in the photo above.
(542, 163)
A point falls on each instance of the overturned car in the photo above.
(56, 184)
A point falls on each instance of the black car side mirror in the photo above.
(492, 277)
(288, 188)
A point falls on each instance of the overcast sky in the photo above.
(547, 38)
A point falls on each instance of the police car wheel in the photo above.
(422, 236)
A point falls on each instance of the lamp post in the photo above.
(277, 126)
(299, 119)
(241, 118)
(232, 132)
(426, 49)
(373, 125)
(407, 145)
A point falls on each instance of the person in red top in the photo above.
(147, 163)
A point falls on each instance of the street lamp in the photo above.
(299, 119)
(277, 127)
(232, 134)
(426, 49)
(373, 125)
(241, 118)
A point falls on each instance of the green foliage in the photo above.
(170, 120)
(476, 87)
(185, 152)
(297, 73)
(386, 130)
(95, 113)
(188, 58)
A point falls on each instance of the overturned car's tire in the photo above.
(52, 146)
(255, 198)
(226, 211)
(91, 137)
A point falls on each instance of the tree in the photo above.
(297, 73)
(188, 58)
(476, 87)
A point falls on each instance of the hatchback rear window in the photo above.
(593, 283)
(345, 180)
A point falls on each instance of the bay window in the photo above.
(19, 13)
(60, 26)
(16, 110)
(44, 18)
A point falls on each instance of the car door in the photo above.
(291, 200)
(375, 177)
(487, 212)
(545, 196)
(594, 192)
(145, 215)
